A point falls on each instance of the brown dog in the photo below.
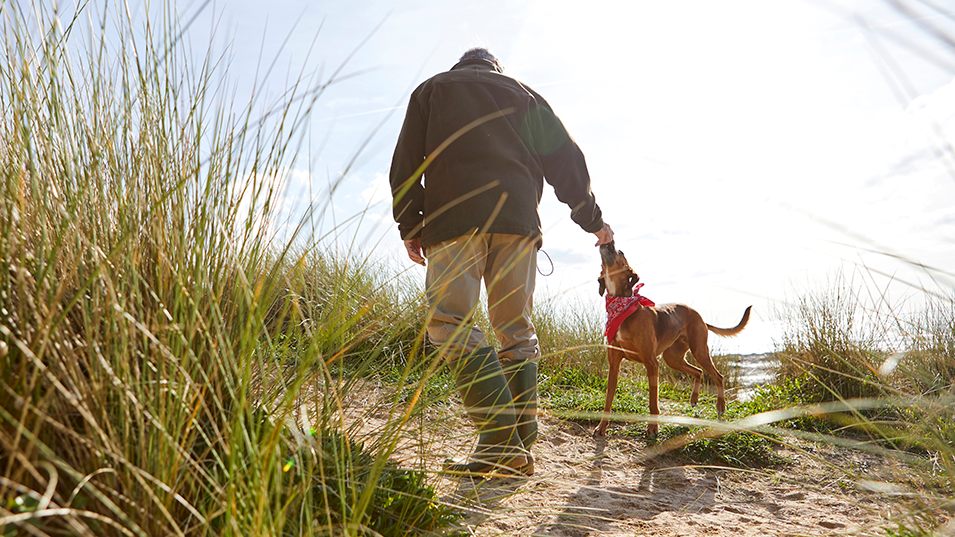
(670, 330)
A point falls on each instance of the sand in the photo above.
(607, 486)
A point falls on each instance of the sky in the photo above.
(744, 152)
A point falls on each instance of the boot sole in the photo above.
(488, 470)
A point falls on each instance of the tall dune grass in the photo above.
(571, 336)
(882, 374)
(930, 361)
(836, 337)
(154, 337)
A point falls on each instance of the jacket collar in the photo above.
(478, 62)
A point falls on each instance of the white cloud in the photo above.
(378, 190)
(939, 105)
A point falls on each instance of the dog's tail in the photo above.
(732, 331)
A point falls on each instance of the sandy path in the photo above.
(585, 486)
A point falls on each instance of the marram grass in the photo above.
(155, 338)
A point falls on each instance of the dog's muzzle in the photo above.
(608, 254)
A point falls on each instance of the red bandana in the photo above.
(620, 307)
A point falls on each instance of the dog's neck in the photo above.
(612, 288)
(633, 296)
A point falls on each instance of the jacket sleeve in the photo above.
(406, 178)
(564, 167)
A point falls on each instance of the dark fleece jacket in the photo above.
(484, 142)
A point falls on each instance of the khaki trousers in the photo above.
(507, 264)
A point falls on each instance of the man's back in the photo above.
(493, 139)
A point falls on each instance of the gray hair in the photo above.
(480, 53)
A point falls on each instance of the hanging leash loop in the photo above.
(551, 264)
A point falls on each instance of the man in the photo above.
(467, 178)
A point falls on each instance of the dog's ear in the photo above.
(603, 286)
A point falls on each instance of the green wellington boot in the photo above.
(488, 401)
(522, 382)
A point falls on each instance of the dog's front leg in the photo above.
(614, 356)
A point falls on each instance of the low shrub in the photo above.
(341, 478)
(735, 449)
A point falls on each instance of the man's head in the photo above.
(481, 53)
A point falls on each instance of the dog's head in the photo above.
(616, 276)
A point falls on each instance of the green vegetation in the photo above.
(735, 449)
(339, 472)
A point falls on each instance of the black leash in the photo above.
(551, 264)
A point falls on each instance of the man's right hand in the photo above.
(605, 235)
(413, 246)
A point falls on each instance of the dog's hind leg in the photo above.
(701, 353)
(675, 357)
